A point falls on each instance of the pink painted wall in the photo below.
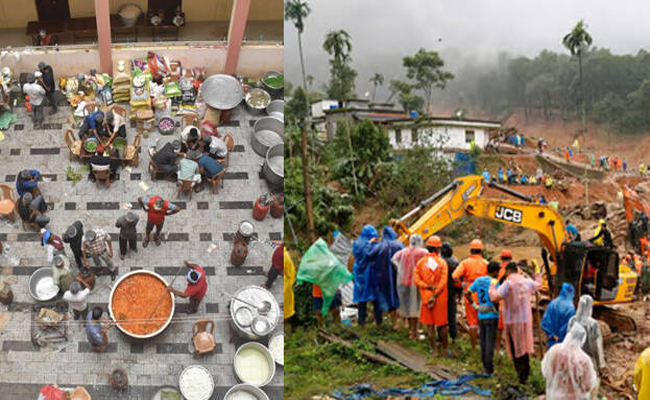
(254, 59)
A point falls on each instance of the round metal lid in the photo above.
(246, 228)
(222, 92)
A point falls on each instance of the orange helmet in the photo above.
(434, 241)
(476, 244)
(506, 254)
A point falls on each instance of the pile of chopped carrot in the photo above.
(134, 300)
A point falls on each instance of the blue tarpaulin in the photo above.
(442, 387)
(464, 166)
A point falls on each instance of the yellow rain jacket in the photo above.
(642, 375)
(289, 280)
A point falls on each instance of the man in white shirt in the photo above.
(215, 146)
(77, 299)
(36, 94)
(115, 125)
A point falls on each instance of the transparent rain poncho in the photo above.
(405, 261)
(568, 370)
(594, 344)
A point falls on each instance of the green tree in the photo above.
(407, 99)
(376, 80)
(577, 42)
(338, 45)
(425, 69)
(296, 11)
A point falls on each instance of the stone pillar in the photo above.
(103, 15)
(236, 34)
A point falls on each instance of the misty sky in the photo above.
(383, 31)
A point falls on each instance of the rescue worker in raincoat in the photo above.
(602, 235)
(468, 270)
(431, 278)
(405, 261)
(514, 295)
(447, 253)
(506, 258)
(379, 258)
(568, 370)
(557, 315)
(594, 344)
(289, 280)
(642, 375)
(364, 277)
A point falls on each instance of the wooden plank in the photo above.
(372, 357)
(413, 360)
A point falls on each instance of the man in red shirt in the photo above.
(277, 265)
(156, 209)
(197, 286)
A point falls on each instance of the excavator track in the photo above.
(617, 320)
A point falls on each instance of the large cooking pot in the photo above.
(276, 109)
(41, 285)
(274, 91)
(273, 168)
(237, 391)
(242, 364)
(267, 132)
(257, 100)
(240, 321)
(114, 318)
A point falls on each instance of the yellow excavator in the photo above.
(592, 270)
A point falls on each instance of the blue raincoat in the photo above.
(558, 313)
(385, 273)
(364, 277)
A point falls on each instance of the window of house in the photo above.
(414, 135)
(398, 136)
(469, 136)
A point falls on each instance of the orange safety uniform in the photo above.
(432, 270)
(468, 270)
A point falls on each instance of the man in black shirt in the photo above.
(73, 236)
(165, 158)
(447, 253)
(48, 83)
(99, 161)
(30, 209)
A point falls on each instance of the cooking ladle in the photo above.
(261, 309)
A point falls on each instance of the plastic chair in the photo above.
(230, 145)
(7, 203)
(185, 186)
(189, 119)
(102, 175)
(132, 152)
(203, 337)
(73, 145)
(214, 181)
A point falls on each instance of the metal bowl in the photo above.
(274, 165)
(110, 305)
(259, 108)
(37, 276)
(222, 92)
(196, 366)
(245, 388)
(158, 394)
(267, 132)
(254, 295)
(275, 92)
(267, 355)
(276, 109)
(275, 335)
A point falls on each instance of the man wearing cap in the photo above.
(602, 236)
(197, 287)
(115, 125)
(36, 94)
(468, 270)
(77, 299)
(47, 79)
(73, 236)
(165, 158)
(101, 162)
(31, 209)
(27, 181)
(62, 274)
(157, 209)
(214, 146)
(97, 244)
(430, 277)
(127, 224)
(93, 125)
(53, 244)
(188, 169)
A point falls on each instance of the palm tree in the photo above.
(338, 43)
(577, 41)
(376, 80)
(296, 11)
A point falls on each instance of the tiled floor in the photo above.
(206, 219)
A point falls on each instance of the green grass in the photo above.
(314, 367)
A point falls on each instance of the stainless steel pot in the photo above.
(268, 358)
(267, 132)
(253, 295)
(36, 277)
(257, 109)
(113, 317)
(276, 109)
(273, 168)
(246, 388)
(274, 92)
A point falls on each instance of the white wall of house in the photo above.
(318, 108)
(447, 137)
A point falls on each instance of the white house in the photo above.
(318, 107)
(446, 133)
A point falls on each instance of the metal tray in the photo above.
(222, 92)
